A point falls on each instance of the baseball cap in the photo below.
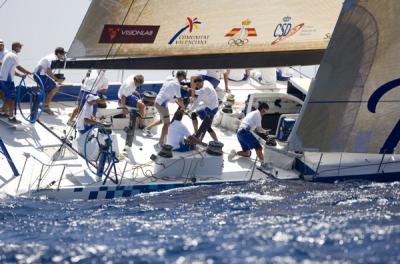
(91, 97)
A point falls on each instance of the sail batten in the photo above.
(354, 106)
(158, 28)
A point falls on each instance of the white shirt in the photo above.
(252, 120)
(177, 132)
(265, 76)
(236, 74)
(127, 88)
(45, 63)
(2, 54)
(87, 112)
(169, 91)
(215, 73)
(9, 63)
(95, 82)
(208, 96)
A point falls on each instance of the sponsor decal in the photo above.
(129, 34)
(186, 35)
(285, 30)
(239, 36)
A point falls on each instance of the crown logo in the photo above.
(287, 19)
(246, 22)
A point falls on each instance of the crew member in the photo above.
(214, 77)
(3, 52)
(129, 96)
(86, 120)
(96, 83)
(208, 96)
(9, 68)
(43, 70)
(252, 121)
(171, 90)
(179, 136)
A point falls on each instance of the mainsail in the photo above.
(354, 105)
(186, 31)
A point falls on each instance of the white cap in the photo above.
(91, 97)
(1, 41)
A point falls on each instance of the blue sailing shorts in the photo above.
(8, 88)
(48, 83)
(247, 140)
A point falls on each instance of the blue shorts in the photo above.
(203, 112)
(86, 129)
(184, 147)
(8, 88)
(215, 82)
(48, 83)
(247, 140)
(132, 101)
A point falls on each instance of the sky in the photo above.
(43, 25)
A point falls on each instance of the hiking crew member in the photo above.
(10, 67)
(43, 70)
(171, 90)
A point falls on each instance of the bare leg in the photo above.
(242, 153)
(10, 106)
(155, 123)
(140, 106)
(50, 96)
(195, 125)
(3, 99)
(260, 155)
(213, 135)
(164, 132)
(74, 113)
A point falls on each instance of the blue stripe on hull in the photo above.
(377, 177)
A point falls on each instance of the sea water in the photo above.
(268, 221)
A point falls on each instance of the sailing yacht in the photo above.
(45, 157)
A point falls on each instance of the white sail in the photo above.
(159, 28)
(354, 105)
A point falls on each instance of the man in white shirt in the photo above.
(43, 70)
(86, 119)
(214, 77)
(129, 96)
(171, 90)
(3, 52)
(179, 136)
(238, 75)
(206, 95)
(9, 68)
(252, 121)
(96, 83)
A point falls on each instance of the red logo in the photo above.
(128, 34)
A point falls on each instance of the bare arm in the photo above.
(23, 70)
(51, 75)
(92, 121)
(179, 101)
(195, 140)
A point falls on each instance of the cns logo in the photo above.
(186, 35)
(285, 29)
(239, 36)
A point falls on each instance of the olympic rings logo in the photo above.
(237, 42)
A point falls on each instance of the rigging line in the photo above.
(5, 1)
(108, 54)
